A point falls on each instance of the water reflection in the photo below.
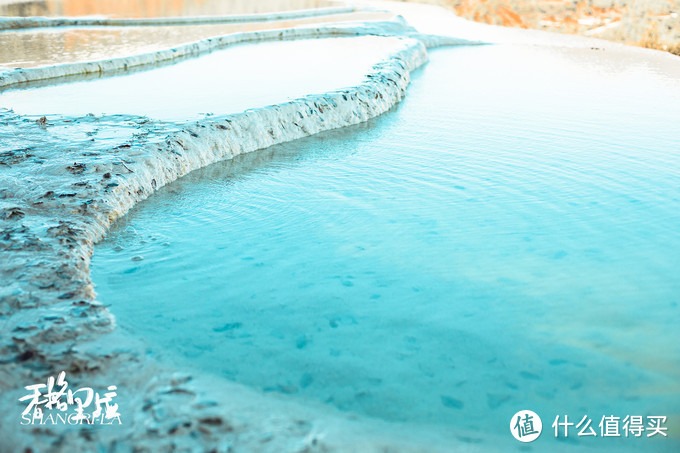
(154, 8)
(48, 46)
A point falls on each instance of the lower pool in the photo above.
(506, 239)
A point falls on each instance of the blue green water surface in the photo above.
(507, 238)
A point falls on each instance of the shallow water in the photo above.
(153, 8)
(48, 46)
(506, 239)
(225, 81)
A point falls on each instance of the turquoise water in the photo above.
(505, 239)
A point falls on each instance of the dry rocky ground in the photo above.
(648, 23)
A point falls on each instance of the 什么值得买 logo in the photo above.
(54, 403)
(526, 426)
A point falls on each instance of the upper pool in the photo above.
(225, 81)
(506, 239)
(35, 47)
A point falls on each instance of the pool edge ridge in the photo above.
(220, 138)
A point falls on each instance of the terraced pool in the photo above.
(505, 239)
